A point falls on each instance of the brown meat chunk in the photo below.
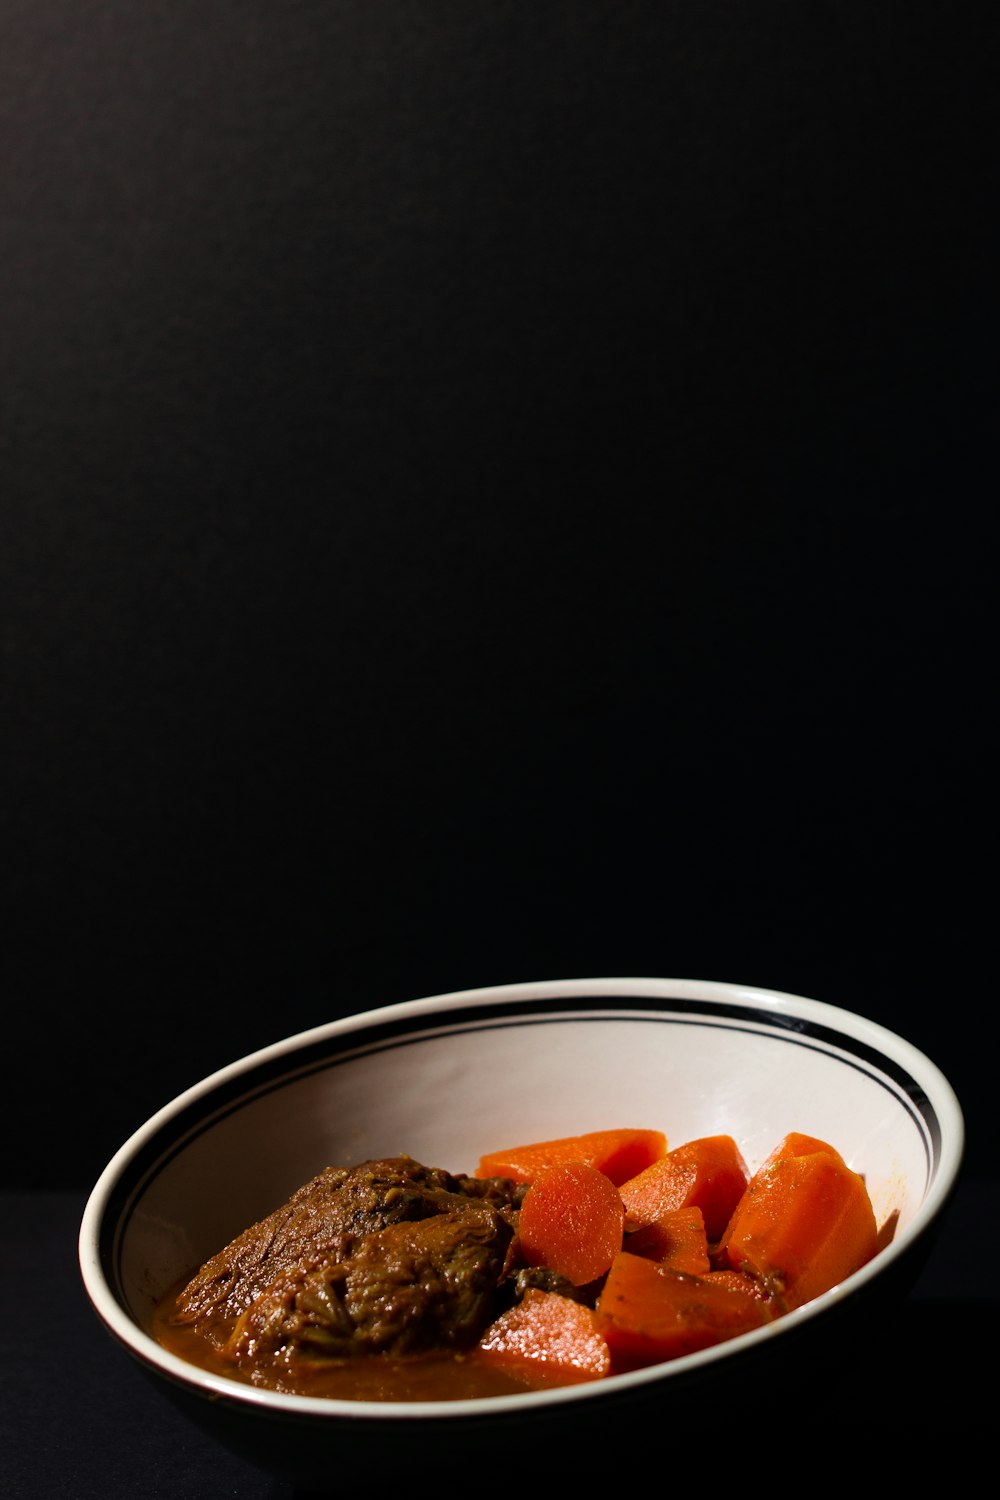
(544, 1279)
(389, 1255)
(405, 1289)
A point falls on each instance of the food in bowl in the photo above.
(553, 1263)
(448, 1077)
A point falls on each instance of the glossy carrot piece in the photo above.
(708, 1173)
(648, 1313)
(803, 1225)
(738, 1281)
(677, 1240)
(571, 1220)
(619, 1154)
(546, 1339)
(797, 1144)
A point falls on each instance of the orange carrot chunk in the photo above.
(619, 1154)
(708, 1173)
(571, 1220)
(546, 1339)
(739, 1281)
(797, 1144)
(803, 1224)
(648, 1313)
(677, 1240)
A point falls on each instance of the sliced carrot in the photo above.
(803, 1224)
(546, 1339)
(708, 1173)
(619, 1154)
(571, 1220)
(797, 1144)
(738, 1281)
(676, 1239)
(648, 1313)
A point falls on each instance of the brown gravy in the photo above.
(425, 1377)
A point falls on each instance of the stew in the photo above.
(586, 1256)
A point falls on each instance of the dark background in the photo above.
(489, 492)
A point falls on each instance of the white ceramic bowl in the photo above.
(451, 1077)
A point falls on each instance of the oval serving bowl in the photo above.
(450, 1077)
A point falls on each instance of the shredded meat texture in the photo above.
(390, 1257)
(408, 1288)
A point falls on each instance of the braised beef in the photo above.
(544, 1279)
(386, 1257)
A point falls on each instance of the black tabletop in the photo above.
(79, 1418)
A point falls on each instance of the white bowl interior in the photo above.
(445, 1084)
